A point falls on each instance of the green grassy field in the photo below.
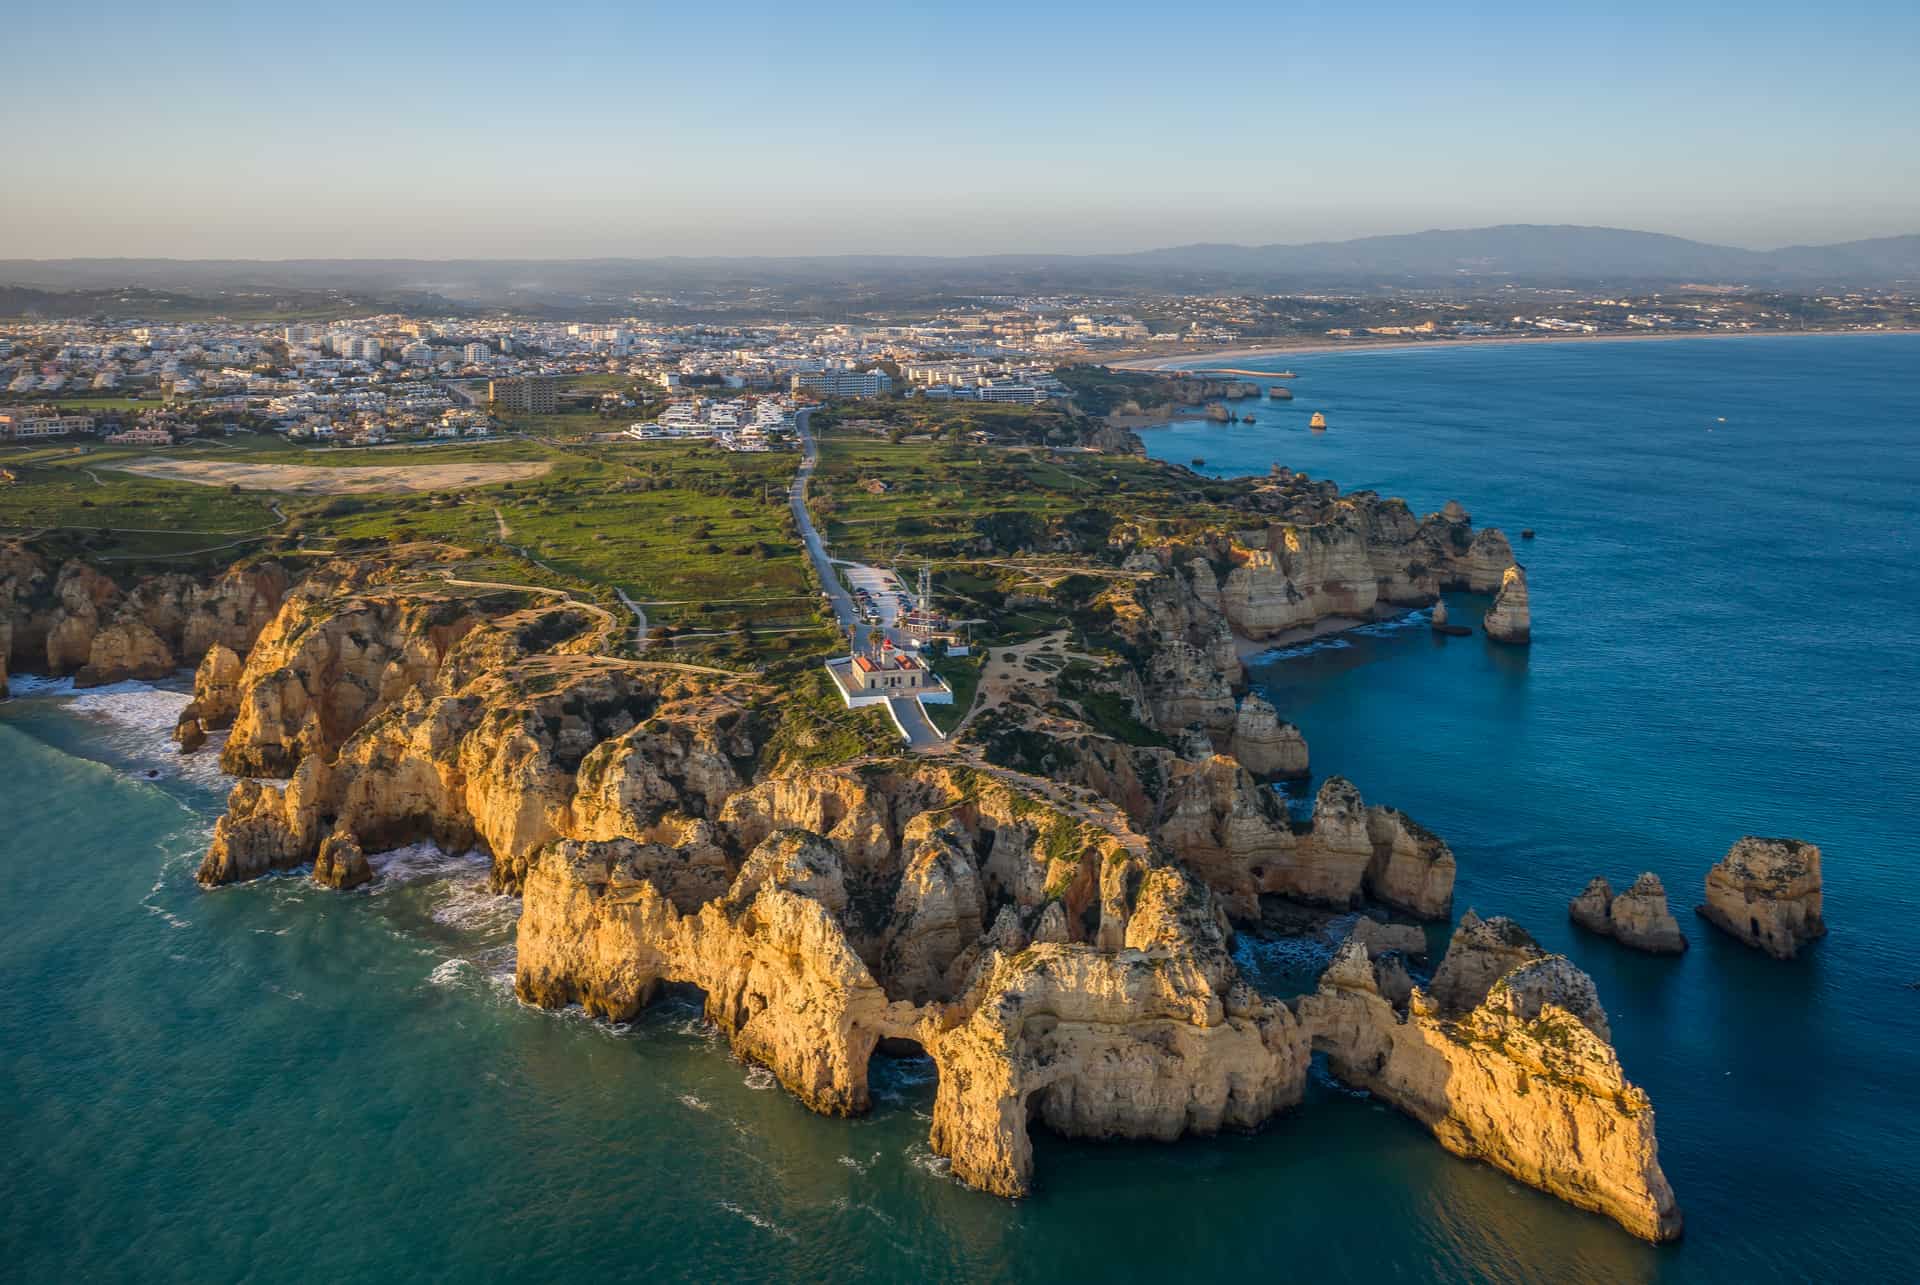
(962, 674)
(703, 536)
(941, 499)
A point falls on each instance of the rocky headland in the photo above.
(1507, 1057)
(1046, 911)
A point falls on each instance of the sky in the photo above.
(488, 129)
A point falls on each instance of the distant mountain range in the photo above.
(1539, 251)
(1466, 259)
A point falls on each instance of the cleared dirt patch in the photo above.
(304, 479)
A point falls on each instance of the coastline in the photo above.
(1322, 347)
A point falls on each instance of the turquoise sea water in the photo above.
(274, 1083)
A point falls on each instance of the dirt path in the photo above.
(500, 520)
(1007, 672)
(606, 618)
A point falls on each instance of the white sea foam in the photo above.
(138, 719)
(758, 1220)
(921, 1157)
(695, 1104)
(419, 861)
(448, 972)
(759, 1078)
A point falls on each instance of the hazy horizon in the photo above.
(493, 132)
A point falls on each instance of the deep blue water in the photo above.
(274, 1083)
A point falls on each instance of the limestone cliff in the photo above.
(1509, 619)
(1767, 893)
(82, 622)
(1097, 997)
(504, 743)
(1317, 554)
(1509, 1062)
(1055, 943)
(325, 665)
(1238, 837)
(1266, 744)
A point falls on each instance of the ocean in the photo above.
(275, 1083)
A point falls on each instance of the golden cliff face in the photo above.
(1324, 556)
(1236, 835)
(328, 663)
(1058, 951)
(1100, 1000)
(80, 621)
(1507, 1058)
(488, 744)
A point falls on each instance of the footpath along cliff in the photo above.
(1056, 942)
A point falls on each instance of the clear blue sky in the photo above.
(515, 129)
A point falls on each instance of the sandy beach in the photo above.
(1311, 347)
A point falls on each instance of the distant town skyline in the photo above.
(493, 131)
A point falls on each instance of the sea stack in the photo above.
(1767, 893)
(1640, 918)
(340, 863)
(1593, 908)
(1637, 917)
(1510, 620)
(1266, 744)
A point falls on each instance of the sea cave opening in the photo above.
(902, 1075)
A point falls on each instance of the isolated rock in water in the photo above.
(1593, 908)
(1507, 1058)
(189, 731)
(1640, 918)
(340, 863)
(1439, 613)
(216, 686)
(1266, 744)
(1767, 893)
(1510, 620)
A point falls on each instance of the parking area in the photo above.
(878, 593)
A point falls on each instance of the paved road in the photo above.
(843, 608)
(912, 716)
(640, 639)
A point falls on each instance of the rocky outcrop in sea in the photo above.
(1507, 1058)
(1637, 917)
(1767, 893)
